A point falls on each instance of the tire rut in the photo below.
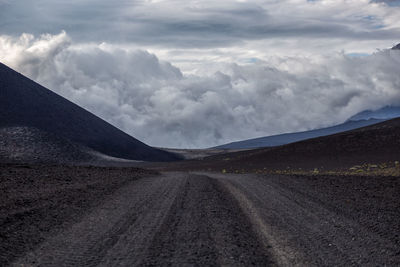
(205, 227)
(88, 242)
(303, 232)
(173, 219)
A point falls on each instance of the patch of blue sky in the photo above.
(250, 60)
(369, 17)
(372, 20)
(357, 54)
(394, 3)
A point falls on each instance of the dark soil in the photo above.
(37, 201)
(206, 228)
(373, 202)
(176, 219)
(324, 220)
(90, 216)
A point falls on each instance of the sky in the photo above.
(195, 74)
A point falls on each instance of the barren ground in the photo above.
(76, 216)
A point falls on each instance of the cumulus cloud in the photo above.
(156, 102)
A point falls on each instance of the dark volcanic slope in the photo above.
(26, 103)
(26, 144)
(379, 143)
(283, 139)
(372, 144)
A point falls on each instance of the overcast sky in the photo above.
(201, 73)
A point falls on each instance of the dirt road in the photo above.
(323, 221)
(203, 219)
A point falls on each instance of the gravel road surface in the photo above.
(205, 219)
(323, 221)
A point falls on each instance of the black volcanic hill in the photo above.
(374, 144)
(396, 47)
(361, 119)
(30, 145)
(24, 103)
(287, 138)
(378, 143)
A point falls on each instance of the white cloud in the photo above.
(157, 103)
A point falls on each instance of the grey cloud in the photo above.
(183, 23)
(152, 100)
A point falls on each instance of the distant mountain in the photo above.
(378, 143)
(385, 113)
(282, 139)
(24, 103)
(362, 119)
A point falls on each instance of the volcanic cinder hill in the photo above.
(374, 144)
(378, 143)
(40, 112)
(283, 139)
(362, 119)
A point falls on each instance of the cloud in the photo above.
(203, 24)
(156, 102)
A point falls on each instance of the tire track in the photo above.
(87, 243)
(304, 232)
(173, 219)
(206, 228)
(37, 202)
